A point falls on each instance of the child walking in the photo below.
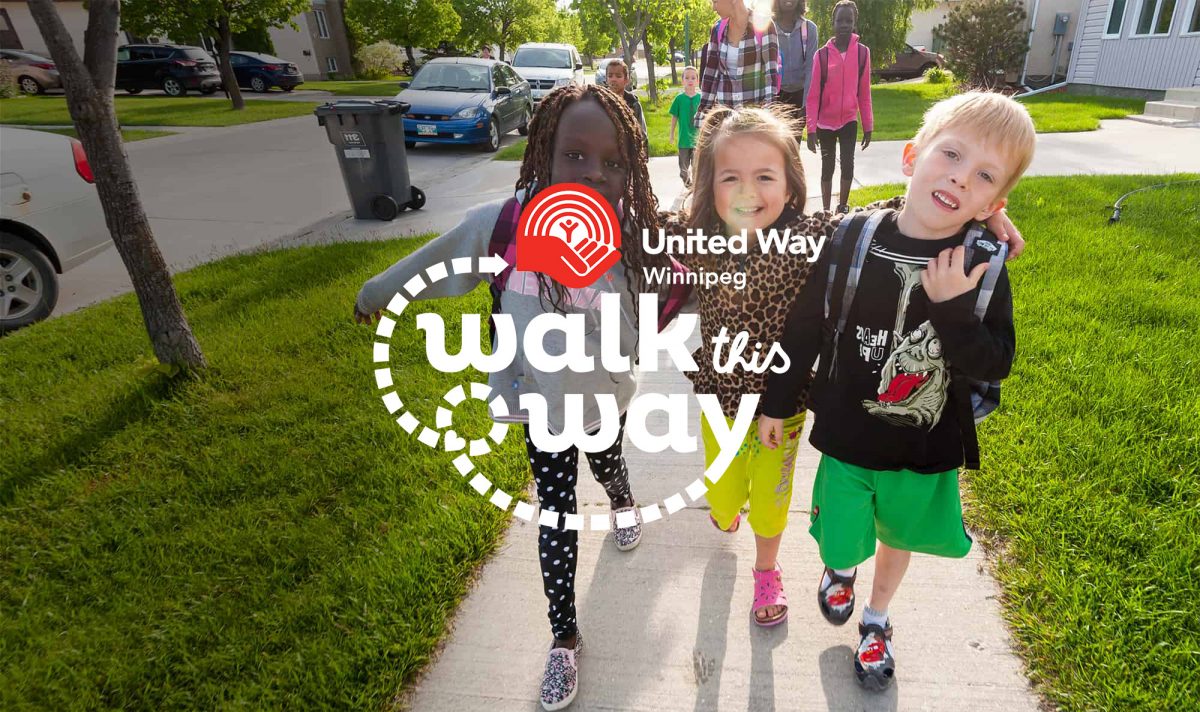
(903, 340)
(740, 64)
(798, 43)
(839, 91)
(683, 110)
(581, 135)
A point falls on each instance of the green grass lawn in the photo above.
(263, 537)
(266, 537)
(1091, 468)
(382, 87)
(154, 111)
(126, 134)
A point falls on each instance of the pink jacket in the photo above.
(845, 95)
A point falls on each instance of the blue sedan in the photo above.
(465, 100)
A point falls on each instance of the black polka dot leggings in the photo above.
(555, 475)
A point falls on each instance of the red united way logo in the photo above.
(569, 233)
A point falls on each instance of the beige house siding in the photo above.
(73, 15)
(1148, 63)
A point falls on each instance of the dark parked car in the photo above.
(260, 72)
(910, 62)
(173, 68)
(465, 100)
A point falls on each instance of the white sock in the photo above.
(826, 580)
(874, 617)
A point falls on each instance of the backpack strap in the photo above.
(676, 298)
(851, 243)
(823, 60)
(970, 393)
(979, 239)
(503, 243)
(862, 63)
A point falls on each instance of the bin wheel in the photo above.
(410, 145)
(418, 198)
(385, 207)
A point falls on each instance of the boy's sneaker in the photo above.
(874, 663)
(626, 538)
(837, 599)
(560, 682)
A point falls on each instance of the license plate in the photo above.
(426, 130)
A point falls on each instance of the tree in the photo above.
(882, 24)
(985, 41)
(596, 26)
(89, 87)
(188, 19)
(504, 23)
(656, 39)
(630, 18)
(407, 23)
(379, 60)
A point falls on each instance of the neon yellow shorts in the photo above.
(758, 475)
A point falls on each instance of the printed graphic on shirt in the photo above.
(913, 382)
(872, 343)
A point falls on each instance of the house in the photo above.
(320, 47)
(1137, 47)
(1050, 23)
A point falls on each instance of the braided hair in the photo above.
(638, 207)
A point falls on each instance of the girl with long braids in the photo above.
(581, 135)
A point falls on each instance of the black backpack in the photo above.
(849, 247)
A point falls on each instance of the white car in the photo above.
(548, 66)
(50, 221)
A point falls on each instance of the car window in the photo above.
(543, 57)
(193, 53)
(165, 53)
(513, 78)
(498, 78)
(452, 77)
(123, 54)
(238, 60)
(141, 53)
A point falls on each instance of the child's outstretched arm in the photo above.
(801, 342)
(469, 238)
(981, 350)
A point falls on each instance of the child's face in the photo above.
(689, 80)
(956, 179)
(843, 23)
(586, 151)
(750, 182)
(617, 81)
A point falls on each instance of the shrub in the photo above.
(379, 60)
(937, 75)
(984, 41)
(8, 82)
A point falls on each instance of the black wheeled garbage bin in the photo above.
(369, 138)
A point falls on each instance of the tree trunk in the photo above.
(88, 83)
(674, 74)
(412, 60)
(651, 85)
(228, 78)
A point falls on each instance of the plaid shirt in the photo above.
(754, 79)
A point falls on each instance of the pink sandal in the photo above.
(737, 522)
(768, 591)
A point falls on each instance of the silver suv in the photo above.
(548, 66)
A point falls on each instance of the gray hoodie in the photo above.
(797, 52)
(471, 238)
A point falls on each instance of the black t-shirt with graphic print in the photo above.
(888, 403)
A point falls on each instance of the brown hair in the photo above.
(617, 63)
(638, 209)
(775, 124)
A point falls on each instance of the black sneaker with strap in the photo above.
(874, 664)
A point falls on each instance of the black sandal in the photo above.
(874, 665)
(837, 599)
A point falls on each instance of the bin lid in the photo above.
(359, 106)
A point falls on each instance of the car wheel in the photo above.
(172, 87)
(925, 68)
(29, 85)
(208, 91)
(259, 85)
(493, 142)
(287, 88)
(410, 145)
(418, 198)
(28, 285)
(134, 91)
(385, 207)
(523, 129)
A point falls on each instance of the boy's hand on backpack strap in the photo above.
(770, 431)
(1003, 228)
(944, 278)
(866, 140)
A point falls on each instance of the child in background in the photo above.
(616, 74)
(683, 110)
(838, 92)
(798, 43)
(581, 135)
(893, 411)
(740, 64)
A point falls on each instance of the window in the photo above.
(1116, 17)
(322, 27)
(1192, 19)
(236, 60)
(331, 64)
(123, 54)
(498, 79)
(1154, 18)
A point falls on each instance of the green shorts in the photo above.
(854, 506)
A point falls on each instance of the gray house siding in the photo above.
(1148, 63)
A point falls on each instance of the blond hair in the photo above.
(775, 125)
(995, 118)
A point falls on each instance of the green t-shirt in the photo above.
(684, 109)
